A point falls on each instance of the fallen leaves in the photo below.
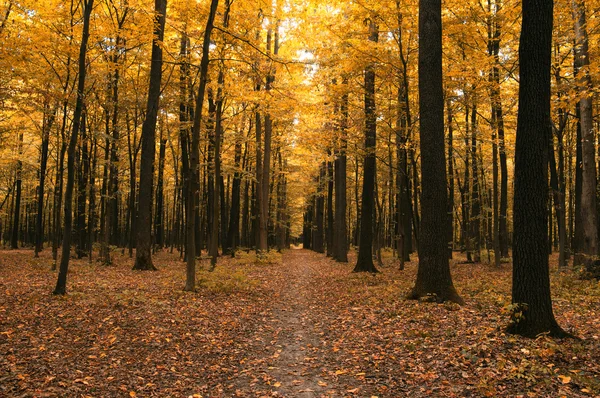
(307, 325)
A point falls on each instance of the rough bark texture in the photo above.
(143, 253)
(532, 312)
(433, 275)
(365, 249)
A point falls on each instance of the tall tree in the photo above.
(589, 220)
(192, 199)
(340, 237)
(433, 276)
(364, 262)
(61, 282)
(143, 254)
(531, 280)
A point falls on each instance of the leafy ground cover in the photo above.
(297, 326)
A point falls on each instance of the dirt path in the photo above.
(297, 342)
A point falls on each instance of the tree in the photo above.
(61, 283)
(340, 237)
(192, 197)
(589, 219)
(433, 276)
(532, 304)
(143, 254)
(364, 262)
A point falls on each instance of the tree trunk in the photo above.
(318, 244)
(433, 275)
(588, 251)
(233, 230)
(39, 225)
(193, 188)
(61, 282)
(340, 238)
(330, 220)
(532, 304)
(450, 171)
(14, 238)
(143, 253)
(82, 180)
(364, 262)
(475, 221)
(159, 227)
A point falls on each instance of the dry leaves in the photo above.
(306, 325)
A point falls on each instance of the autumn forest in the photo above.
(218, 198)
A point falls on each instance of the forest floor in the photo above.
(299, 326)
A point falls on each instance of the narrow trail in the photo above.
(297, 341)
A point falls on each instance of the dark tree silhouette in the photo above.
(61, 282)
(143, 254)
(532, 313)
(433, 277)
(365, 248)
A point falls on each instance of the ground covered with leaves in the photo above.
(298, 325)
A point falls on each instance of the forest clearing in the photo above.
(316, 198)
(304, 326)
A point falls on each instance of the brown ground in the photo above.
(304, 327)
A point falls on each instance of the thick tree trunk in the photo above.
(532, 304)
(364, 262)
(61, 282)
(433, 275)
(143, 253)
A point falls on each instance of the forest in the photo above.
(219, 198)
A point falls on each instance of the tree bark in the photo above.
(588, 251)
(143, 253)
(433, 275)
(532, 304)
(364, 262)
